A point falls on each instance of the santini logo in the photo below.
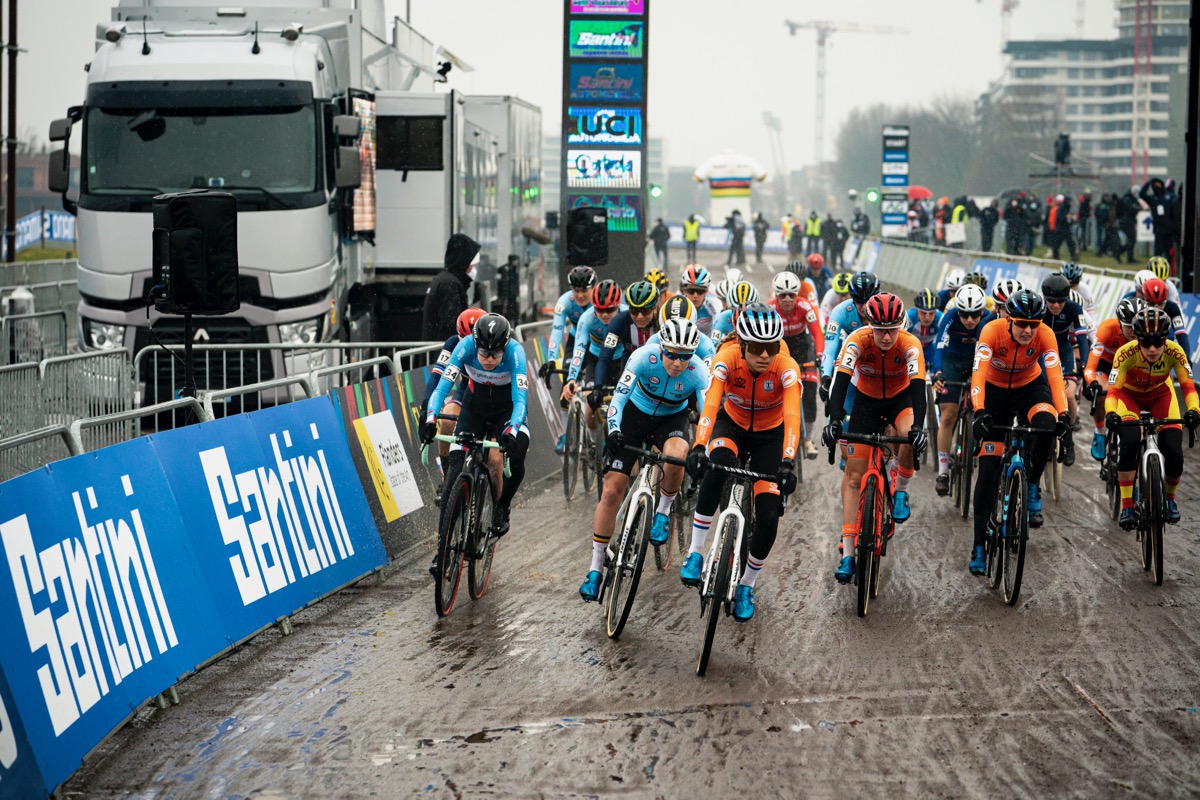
(284, 519)
(113, 617)
(621, 39)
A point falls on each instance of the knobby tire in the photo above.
(627, 570)
(720, 590)
(479, 563)
(451, 540)
(1016, 525)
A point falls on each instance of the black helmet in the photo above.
(1056, 287)
(581, 277)
(492, 332)
(863, 285)
(1025, 305)
(1127, 308)
(1151, 324)
(925, 301)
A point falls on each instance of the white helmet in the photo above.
(679, 334)
(1005, 289)
(722, 289)
(1141, 276)
(759, 323)
(955, 279)
(1076, 297)
(970, 298)
(787, 283)
(733, 275)
(740, 294)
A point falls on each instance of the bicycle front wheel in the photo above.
(723, 574)
(570, 456)
(1156, 505)
(868, 529)
(966, 468)
(456, 523)
(483, 545)
(1016, 534)
(587, 457)
(598, 459)
(627, 568)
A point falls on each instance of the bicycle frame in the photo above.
(732, 510)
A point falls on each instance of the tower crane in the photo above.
(823, 29)
(774, 133)
(1006, 10)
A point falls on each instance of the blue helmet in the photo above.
(1072, 271)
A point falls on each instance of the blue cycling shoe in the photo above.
(845, 570)
(590, 590)
(1099, 444)
(1128, 520)
(900, 510)
(1172, 511)
(743, 603)
(561, 445)
(978, 565)
(660, 531)
(689, 573)
(1035, 499)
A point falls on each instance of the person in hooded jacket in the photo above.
(447, 294)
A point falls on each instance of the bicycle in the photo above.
(962, 450)
(719, 577)
(580, 445)
(601, 413)
(1008, 534)
(1150, 496)
(623, 567)
(875, 523)
(1108, 464)
(460, 533)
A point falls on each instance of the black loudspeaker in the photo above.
(551, 220)
(587, 237)
(196, 253)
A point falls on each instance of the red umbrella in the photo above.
(919, 193)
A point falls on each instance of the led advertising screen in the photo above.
(595, 38)
(598, 125)
(611, 7)
(604, 169)
(624, 210)
(621, 83)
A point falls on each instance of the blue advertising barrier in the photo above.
(126, 568)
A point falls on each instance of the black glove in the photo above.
(1062, 428)
(697, 462)
(544, 371)
(428, 431)
(787, 477)
(919, 441)
(981, 425)
(507, 440)
(614, 442)
(1091, 389)
(823, 392)
(831, 433)
(1191, 418)
(594, 397)
(1112, 421)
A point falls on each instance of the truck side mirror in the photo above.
(346, 126)
(59, 176)
(348, 172)
(60, 130)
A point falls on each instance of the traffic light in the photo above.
(655, 190)
(872, 195)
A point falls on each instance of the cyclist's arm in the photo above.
(1181, 334)
(612, 340)
(582, 337)
(713, 397)
(841, 380)
(814, 330)
(833, 342)
(559, 326)
(792, 395)
(1091, 370)
(1184, 373)
(940, 342)
(620, 397)
(462, 352)
(1052, 364)
(980, 369)
(1116, 378)
(520, 386)
(435, 372)
(915, 355)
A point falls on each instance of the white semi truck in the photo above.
(346, 190)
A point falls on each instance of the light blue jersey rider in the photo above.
(706, 349)
(496, 389)
(566, 315)
(707, 313)
(652, 391)
(842, 322)
(589, 341)
(722, 325)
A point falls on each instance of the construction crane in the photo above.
(823, 29)
(1143, 69)
(775, 134)
(1006, 10)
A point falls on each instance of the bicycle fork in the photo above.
(710, 563)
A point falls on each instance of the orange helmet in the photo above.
(466, 321)
(816, 261)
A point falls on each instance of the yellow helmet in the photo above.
(1160, 267)
(841, 283)
(658, 278)
(742, 293)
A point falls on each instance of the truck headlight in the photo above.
(301, 333)
(102, 335)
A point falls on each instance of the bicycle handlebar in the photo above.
(743, 473)
(873, 439)
(451, 417)
(1151, 422)
(655, 455)
(466, 439)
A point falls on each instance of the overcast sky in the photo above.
(715, 65)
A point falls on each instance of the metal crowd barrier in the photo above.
(33, 449)
(33, 337)
(24, 273)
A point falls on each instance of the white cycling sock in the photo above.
(598, 549)
(700, 526)
(753, 567)
(664, 503)
(943, 463)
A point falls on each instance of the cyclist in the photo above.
(845, 319)
(1141, 379)
(464, 325)
(1017, 374)
(567, 311)
(890, 395)
(496, 404)
(649, 408)
(953, 282)
(975, 279)
(922, 321)
(740, 294)
(1074, 275)
(1156, 293)
(839, 292)
(1161, 269)
(1112, 334)
(751, 411)
(805, 343)
(661, 282)
(1002, 291)
(819, 274)
(1088, 319)
(589, 340)
(952, 354)
(694, 283)
(629, 330)
(1065, 319)
(1139, 282)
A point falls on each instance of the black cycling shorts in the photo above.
(872, 415)
(646, 431)
(955, 368)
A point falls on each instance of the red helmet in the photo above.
(1154, 290)
(884, 310)
(466, 321)
(816, 261)
(606, 295)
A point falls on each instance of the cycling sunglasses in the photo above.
(674, 356)
(641, 312)
(785, 295)
(970, 314)
(491, 353)
(695, 290)
(758, 348)
(1026, 323)
(1159, 341)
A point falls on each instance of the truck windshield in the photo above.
(267, 152)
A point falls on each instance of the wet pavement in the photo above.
(1088, 687)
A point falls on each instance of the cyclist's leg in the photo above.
(516, 468)
(810, 382)
(998, 402)
(1036, 408)
(723, 449)
(1130, 438)
(766, 456)
(1170, 439)
(903, 422)
(635, 425)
